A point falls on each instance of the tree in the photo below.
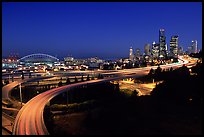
(158, 70)
(92, 78)
(197, 69)
(134, 93)
(75, 79)
(60, 83)
(61, 69)
(48, 117)
(183, 71)
(68, 81)
(82, 78)
(6, 81)
(12, 78)
(30, 75)
(158, 73)
(151, 72)
(144, 64)
(22, 75)
(100, 76)
(88, 78)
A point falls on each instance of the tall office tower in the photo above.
(189, 50)
(194, 46)
(147, 50)
(180, 50)
(162, 44)
(174, 46)
(155, 50)
(137, 53)
(131, 54)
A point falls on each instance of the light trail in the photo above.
(30, 121)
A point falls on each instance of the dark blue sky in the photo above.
(104, 29)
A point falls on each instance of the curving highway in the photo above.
(30, 121)
(7, 88)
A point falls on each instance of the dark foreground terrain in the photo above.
(173, 108)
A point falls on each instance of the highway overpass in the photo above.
(30, 121)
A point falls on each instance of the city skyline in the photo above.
(106, 30)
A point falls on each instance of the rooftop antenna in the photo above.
(131, 44)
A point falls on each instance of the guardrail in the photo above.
(33, 110)
(8, 117)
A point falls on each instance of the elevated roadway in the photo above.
(30, 121)
(7, 88)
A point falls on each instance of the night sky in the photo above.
(106, 30)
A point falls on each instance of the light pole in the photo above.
(12, 78)
(67, 98)
(93, 73)
(20, 93)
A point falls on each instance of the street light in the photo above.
(12, 78)
(67, 99)
(20, 93)
(9, 77)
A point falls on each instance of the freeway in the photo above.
(7, 88)
(30, 121)
(7, 122)
(6, 100)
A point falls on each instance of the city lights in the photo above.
(100, 68)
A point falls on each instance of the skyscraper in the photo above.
(180, 50)
(155, 50)
(162, 44)
(189, 50)
(174, 46)
(194, 46)
(131, 54)
(137, 53)
(147, 50)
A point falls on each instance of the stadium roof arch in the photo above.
(38, 58)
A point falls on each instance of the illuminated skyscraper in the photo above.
(137, 53)
(162, 44)
(189, 49)
(174, 46)
(155, 50)
(147, 50)
(131, 54)
(180, 50)
(194, 46)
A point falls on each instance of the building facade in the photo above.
(174, 46)
(180, 50)
(162, 44)
(194, 46)
(147, 49)
(137, 53)
(155, 50)
(131, 56)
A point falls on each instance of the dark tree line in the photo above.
(179, 88)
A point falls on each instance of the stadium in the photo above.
(37, 59)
